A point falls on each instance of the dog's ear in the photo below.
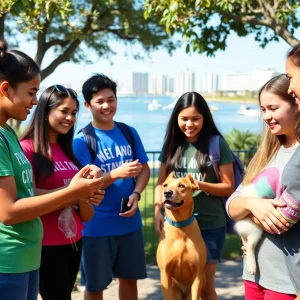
(170, 176)
(194, 184)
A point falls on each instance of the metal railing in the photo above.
(147, 201)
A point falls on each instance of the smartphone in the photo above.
(124, 206)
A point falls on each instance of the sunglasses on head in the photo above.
(64, 91)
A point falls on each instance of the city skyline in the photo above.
(229, 82)
(242, 54)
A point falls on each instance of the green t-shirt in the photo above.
(20, 244)
(210, 209)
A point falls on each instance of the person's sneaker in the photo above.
(80, 288)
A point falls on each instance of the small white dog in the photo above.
(249, 232)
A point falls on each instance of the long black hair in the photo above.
(39, 127)
(175, 139)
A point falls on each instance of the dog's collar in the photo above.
(180, 224)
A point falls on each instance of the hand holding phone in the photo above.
(124, 206)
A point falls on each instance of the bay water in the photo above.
(151, 124)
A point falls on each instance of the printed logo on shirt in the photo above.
(64, 166)
(192, 165)
(26, 174)
(108, 154)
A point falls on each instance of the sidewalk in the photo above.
(229, 284)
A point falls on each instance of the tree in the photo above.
(246, 141)
(71, 28)
(206, 24)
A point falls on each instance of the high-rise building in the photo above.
(212, 83)
(160, 84)
(184, 82)
(246, 81)
(152, 85)
(170, 87)
(137, 82)
(207, 83)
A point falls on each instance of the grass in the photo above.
(232, 248)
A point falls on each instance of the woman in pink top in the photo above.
(47, 143)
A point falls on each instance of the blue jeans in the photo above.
(19, 286)
(214, 240)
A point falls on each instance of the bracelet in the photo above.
(139, 195)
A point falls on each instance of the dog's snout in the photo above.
(168, 193)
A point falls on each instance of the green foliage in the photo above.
(71, 28)
(74, 30)
(206, 24)
(5, 6)
(243, 140)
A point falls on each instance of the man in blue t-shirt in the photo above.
(112, 241)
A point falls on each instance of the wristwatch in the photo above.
(139, 195)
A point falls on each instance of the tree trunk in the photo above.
(2, 27)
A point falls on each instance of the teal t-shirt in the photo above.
(209, 209)
(20, 244)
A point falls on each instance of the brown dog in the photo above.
(181, 252)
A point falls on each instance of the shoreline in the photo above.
(241, 101)
(208, 98)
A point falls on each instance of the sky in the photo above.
(241, 54)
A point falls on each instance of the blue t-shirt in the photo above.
(113, 151)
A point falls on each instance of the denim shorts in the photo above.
(19, 286)
(119, 256)
(214, 240)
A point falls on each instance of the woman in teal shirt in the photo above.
(186, 150)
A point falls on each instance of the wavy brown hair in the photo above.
(271, 143)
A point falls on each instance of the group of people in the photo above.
(274, 171)
(53, 175)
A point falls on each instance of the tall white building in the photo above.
(152, 85)
(207, 83)
(137, 82)
(170, 87)
(161, 85)
(184, 82)
(212, 83)
(246, 81)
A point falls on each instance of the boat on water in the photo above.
(213, 108)
(169, 106)
(248, 111)
(154, 105)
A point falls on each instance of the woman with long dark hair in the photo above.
(186, 150)
(20, 226)
(47, 143)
